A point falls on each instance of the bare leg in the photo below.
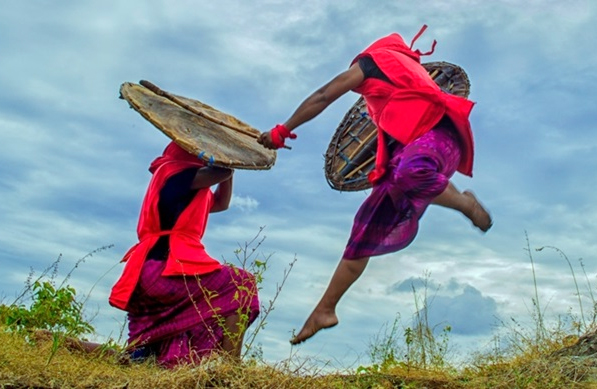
(74, 343)
(232, 342)
(467, 203)
(324, 314)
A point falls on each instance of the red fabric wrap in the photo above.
(187, 254)
(413, 104)
(280, 133)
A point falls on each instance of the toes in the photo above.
(300, 338)
(312, 327)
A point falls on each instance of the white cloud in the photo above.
(73, 157)
(245, 204)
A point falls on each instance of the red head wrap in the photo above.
(174, 152)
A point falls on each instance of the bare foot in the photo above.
(478, 214)
(317, 321)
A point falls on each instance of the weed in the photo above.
(249, 259)
(52, 308)
(416, 347)
(43, 307)
(46, 306)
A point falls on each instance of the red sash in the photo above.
(413, 104)
(187, 254)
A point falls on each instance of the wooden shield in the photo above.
(350, 156)
(213, 136)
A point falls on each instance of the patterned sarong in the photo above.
(388, 220)
(179, 319)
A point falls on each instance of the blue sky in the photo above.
(74, 157)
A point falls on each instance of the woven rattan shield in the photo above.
(351, 153)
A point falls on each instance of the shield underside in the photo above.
(213, 136)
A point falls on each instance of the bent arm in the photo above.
(222, 196)
(210, 175)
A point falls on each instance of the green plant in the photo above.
(248, 258)
(43, 305)
(52, 308)
(417, 346)
(424, 348)
(46, 310)
(384, 349)
(251, 260)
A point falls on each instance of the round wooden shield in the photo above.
(350, 156)
(213, 136)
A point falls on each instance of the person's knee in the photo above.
(421, 180)
(356, 265)
(413, 176)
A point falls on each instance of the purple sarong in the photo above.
(180, 319)
(388, 220)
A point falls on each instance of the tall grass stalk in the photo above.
(249, 258)
(540, 333)
(578, 295)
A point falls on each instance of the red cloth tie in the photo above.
(279, 133)
(421, 31)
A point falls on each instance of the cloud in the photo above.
(468, 313)
(412, 284)
(462, 307)
(244, 203)
(74, 157)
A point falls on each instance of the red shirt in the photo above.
(413, 104)
(187, 254)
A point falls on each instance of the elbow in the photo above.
(220, 207)
(222, 173)
(228, 174)
(321, 97)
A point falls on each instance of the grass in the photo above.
(535, 355)
(25, 365)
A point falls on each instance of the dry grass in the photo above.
(27, 365)
(537, 358)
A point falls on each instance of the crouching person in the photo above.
(183, 304)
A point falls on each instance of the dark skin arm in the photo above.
(319, 100)
(208, 176)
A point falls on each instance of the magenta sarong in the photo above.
(179, 319)
(388, 220)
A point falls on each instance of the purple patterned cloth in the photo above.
(179, 319)
(388, 220)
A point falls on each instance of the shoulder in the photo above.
(179, 184)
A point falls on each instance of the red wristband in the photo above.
(279, 133)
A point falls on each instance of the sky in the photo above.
(74, 157)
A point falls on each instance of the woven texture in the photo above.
(351, 153)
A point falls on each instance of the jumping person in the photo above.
(183, 304)
(433, 141)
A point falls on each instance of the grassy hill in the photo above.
(40, 348)
(34, 362)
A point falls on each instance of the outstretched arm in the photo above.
(319, 100)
